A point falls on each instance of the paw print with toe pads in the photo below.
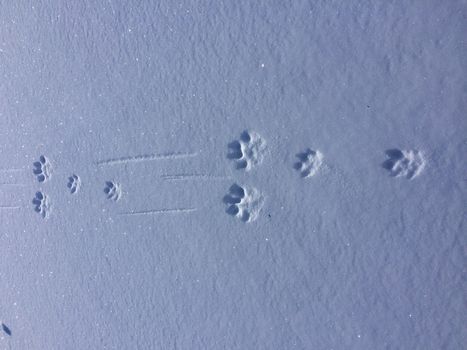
(404, 163)
(113, 190)
(42, 169)
(309, 162)
(248, 151)
(74, 183)
(41, 204)
(244, 203)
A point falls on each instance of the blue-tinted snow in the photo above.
(344, 221)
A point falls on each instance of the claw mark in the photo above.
(161, 211)
(146, 157)
(176, 177)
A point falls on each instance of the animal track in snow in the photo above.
(74, 183)
(42, 169)
(113, 190)
(309, 162)
(41, 204)
(405, 163)
(244, 203)
(248, 151)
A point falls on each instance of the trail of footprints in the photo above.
(243, 202)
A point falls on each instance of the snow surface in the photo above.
(128, 123)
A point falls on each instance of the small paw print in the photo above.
(42, 169)
(248, 151)
(41, 204)
(74, 183)
(309, 162)
(244, 203)
(113, 190)
(405, 163)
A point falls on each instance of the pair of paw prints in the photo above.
(42, 169)
(41, 204)
(404, 163)
(248, 151)
(399, 163)
(113, 190)
(243, 202)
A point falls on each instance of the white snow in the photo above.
(233, 175)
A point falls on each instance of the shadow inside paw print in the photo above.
(233, 198)
(309, 162)
(113, 190)
(405, 163)
(74, 183)
(248, 151)
(41, 204)
(42, 169)
(243, 203)
(394, 155)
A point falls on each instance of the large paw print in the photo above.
(113, 190)
(309, 162)
(405, 163)
(244, 203)
(42, 169)
(41, 204)
(248, 151)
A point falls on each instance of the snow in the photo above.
(233, 175)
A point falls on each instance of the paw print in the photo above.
(113, 190)
(405, 163)
(41, 204)
(244, 203)
(74, 183)
(42, 169)
(248, 151)
(309, 162)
